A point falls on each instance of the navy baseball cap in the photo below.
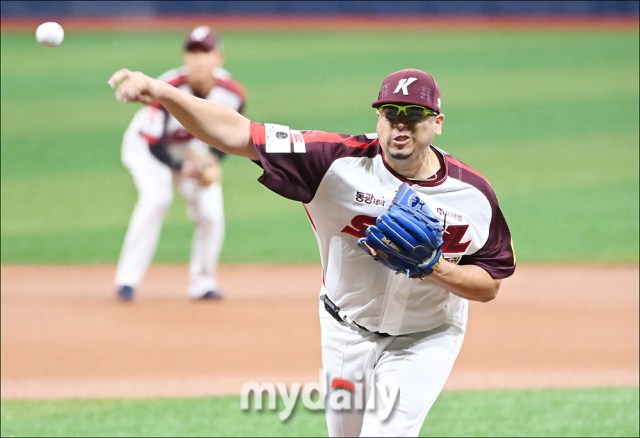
(201, 38)
(409, 86)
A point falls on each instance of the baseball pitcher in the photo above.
(407, 235)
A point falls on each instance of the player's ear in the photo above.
(439, 120)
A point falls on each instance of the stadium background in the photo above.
(541, 97)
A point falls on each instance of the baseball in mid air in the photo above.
(50, 34)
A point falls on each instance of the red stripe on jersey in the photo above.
(232, 86)
(309, 216)
(316, 229)
(461, 165)
(176, 82)
(259, 137)
(259, 133)
(150, 139)
(329, 137)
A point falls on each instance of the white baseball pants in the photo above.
(418, 364)
(155, 182)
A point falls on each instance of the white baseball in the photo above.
(50, 34)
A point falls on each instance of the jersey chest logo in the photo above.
(452, 236)
(369, 199)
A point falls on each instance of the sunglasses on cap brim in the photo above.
(413, 113)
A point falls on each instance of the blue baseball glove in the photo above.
(407, 238)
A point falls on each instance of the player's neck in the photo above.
(421, 167)
(202, 89)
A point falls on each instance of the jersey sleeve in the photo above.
(294, 162)
(497, 256)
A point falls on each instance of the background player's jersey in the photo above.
(345, 185)
(167, 138)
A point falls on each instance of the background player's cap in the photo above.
(201, 38)
(409, 86)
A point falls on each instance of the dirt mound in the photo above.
(64, 334)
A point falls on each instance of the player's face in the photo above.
(403, 139)
(201, 64)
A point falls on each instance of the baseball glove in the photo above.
(207, 166)
(407, 238)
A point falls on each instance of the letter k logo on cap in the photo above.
(403, 84)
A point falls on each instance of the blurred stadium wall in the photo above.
(131, 9)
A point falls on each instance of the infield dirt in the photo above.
(64, 333)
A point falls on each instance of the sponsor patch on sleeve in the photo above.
(298, 142)
(278, 138)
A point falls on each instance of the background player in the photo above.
(161, 154)
(378, 326)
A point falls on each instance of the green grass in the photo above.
(550, 118)
(551, 412)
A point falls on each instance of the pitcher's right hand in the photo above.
(134, 86)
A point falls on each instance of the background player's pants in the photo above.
(155, 182)
(418, 364)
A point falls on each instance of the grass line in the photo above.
(541, 412)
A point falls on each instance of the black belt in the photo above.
(334, 311)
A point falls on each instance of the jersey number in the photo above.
(452, 237)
